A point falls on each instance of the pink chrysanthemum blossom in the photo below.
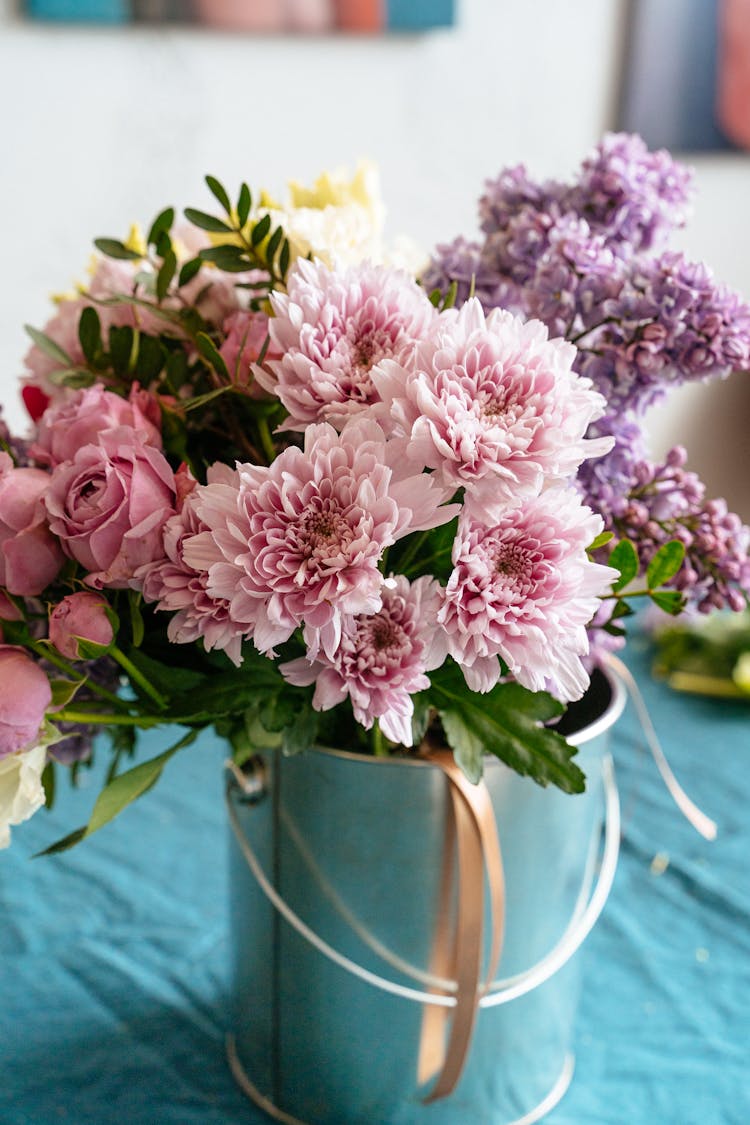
(493, 405)
(333, 328)
(524, 589)
(180, 589)
(299, 542)
(381, 660)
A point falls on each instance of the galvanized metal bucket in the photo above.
(336, 869)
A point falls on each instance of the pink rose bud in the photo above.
(86, 414)
(80, 617)
(25, 695)
(30, 556)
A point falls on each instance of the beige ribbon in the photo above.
(471, 835)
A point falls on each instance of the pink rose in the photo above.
(80, 617)
(108, 506)
(30, 556)
(83, 417)
(25, 695)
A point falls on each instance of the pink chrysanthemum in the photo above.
(180, 589)
(333, 328)
(298, 543)
(493, 405)
(381, 660)
(524, 589)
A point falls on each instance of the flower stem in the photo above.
(101, 718)
(266, 440)
(137, 677)
(49, 654)
(379, 748)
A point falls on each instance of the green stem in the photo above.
(100, 718)
(137, 677)
(379, 748)
(266, 440)
(49, 654)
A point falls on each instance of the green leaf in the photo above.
(48, 346)
(137, 627)
(48, 784)
(436, 297)
(302, 733)
(90, 333)
(119, 793)
(506, 721)
(151, 357)
(218, 191)
(665, 563)
(166, 274)
(244, 203)
(188, 271)
(671, 601)
(73, 377)
(229, 259)
(113, 248)
(122, 345)
(90, 650)
(600, 541)
(207, 222)
(64, 690)
(284, 258)
(208, 350)
(130, 785)
(65, 844)
(162, 224)
(260, 230)
(624, 558)
(273, 244)
(468, 748)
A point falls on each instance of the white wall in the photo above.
(103, 126)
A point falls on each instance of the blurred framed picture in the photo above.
(686, 74)
(304, 16)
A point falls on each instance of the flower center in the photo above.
(513, 562)
(323, 531)
(385, 633)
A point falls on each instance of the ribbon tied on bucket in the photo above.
(471, 839)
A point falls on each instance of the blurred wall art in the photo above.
(267, 16)
(686, 73)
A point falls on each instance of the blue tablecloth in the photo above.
(114, 957)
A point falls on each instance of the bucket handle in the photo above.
(503, 991)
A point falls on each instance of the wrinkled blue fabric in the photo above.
(114, 958)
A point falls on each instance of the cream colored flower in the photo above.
(21, 791)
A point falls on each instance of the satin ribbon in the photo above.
(471, 837)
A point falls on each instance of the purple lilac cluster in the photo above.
(652, 504)
(587, 259)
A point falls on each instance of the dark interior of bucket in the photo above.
(588, 709)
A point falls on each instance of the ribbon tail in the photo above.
(700, 822)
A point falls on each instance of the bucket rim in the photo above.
(591, 731)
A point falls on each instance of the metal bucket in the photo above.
(335, 878)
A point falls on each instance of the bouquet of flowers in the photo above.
(280, 484)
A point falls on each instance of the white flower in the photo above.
(21, 792)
